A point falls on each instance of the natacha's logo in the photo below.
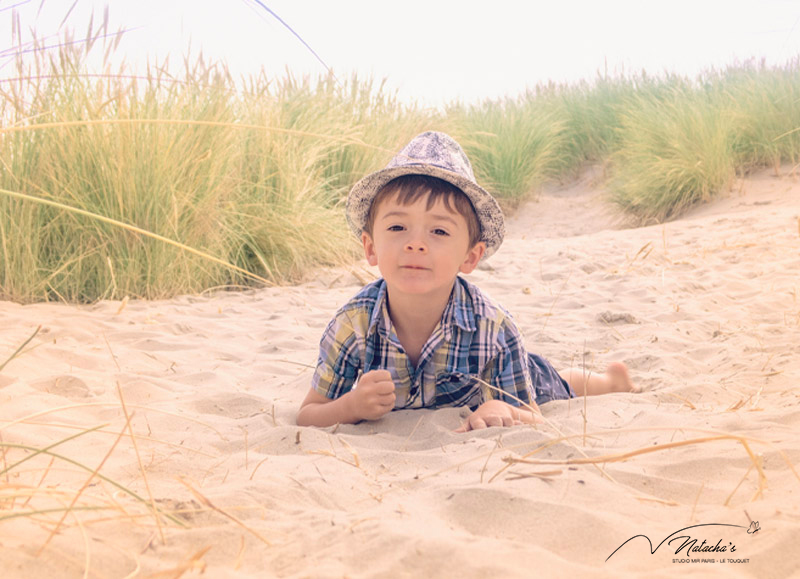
(704, 549)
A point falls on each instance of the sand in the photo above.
(704, 310)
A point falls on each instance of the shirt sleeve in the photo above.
(339, 358)
(508, 372)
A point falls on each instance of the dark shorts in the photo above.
(548, 384)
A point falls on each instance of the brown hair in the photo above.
(410, 188)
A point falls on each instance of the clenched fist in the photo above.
(373, 396)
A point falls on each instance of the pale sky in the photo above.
(435, 51)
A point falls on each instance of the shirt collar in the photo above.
(459, 311)
(463, 312)
(379, 320)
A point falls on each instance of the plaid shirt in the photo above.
(474, 338)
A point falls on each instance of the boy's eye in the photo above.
(440, 231)
(395, 228)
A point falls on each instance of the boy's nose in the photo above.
(416, 246)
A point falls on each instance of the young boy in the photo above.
(422, 336)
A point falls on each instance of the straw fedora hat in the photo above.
(437, 155)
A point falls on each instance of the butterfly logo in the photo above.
(754, 527)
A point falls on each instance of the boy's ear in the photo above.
(474, 255)
(369, 248)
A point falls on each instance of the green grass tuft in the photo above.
(674, 151)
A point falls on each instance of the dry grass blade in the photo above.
(192, 122)
(736, 488)
(204, 500)
(34, 512)
(91, 404)
(413, 430)
(193, 563)
(181, 447)
(333, 454)
(18, 350)
(684, 400)
(696, 499)
(111, 481)
(485, 464)
(3, 452)
(537, 412)
(622, 456)
(262, 461)
(45, 472)
(47, 448)
(141, 466)
(645, 249)
(83, 488)
(555, 299)
(737, 405)
(544, 474)
(664, 502)
(619, 457)
(762, 478)
(356, 460)
(240, 555)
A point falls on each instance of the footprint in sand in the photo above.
(615, 318)
(232, 405)
(67, 386)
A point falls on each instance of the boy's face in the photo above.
(419, 250)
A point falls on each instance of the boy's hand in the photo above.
(373, 396)
(498, 413)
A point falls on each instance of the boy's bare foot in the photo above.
(614, 379)
(618, 378)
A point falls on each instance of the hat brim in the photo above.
(490, 216)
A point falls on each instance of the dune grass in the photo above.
(764, 105)
(674, 151)
(253, 177)
(515, 145)
(86, 143)
(592, 111)
(106, 180)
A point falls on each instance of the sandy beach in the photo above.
(705, 310)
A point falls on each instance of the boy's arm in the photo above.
(319, 410)
(373, 398)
